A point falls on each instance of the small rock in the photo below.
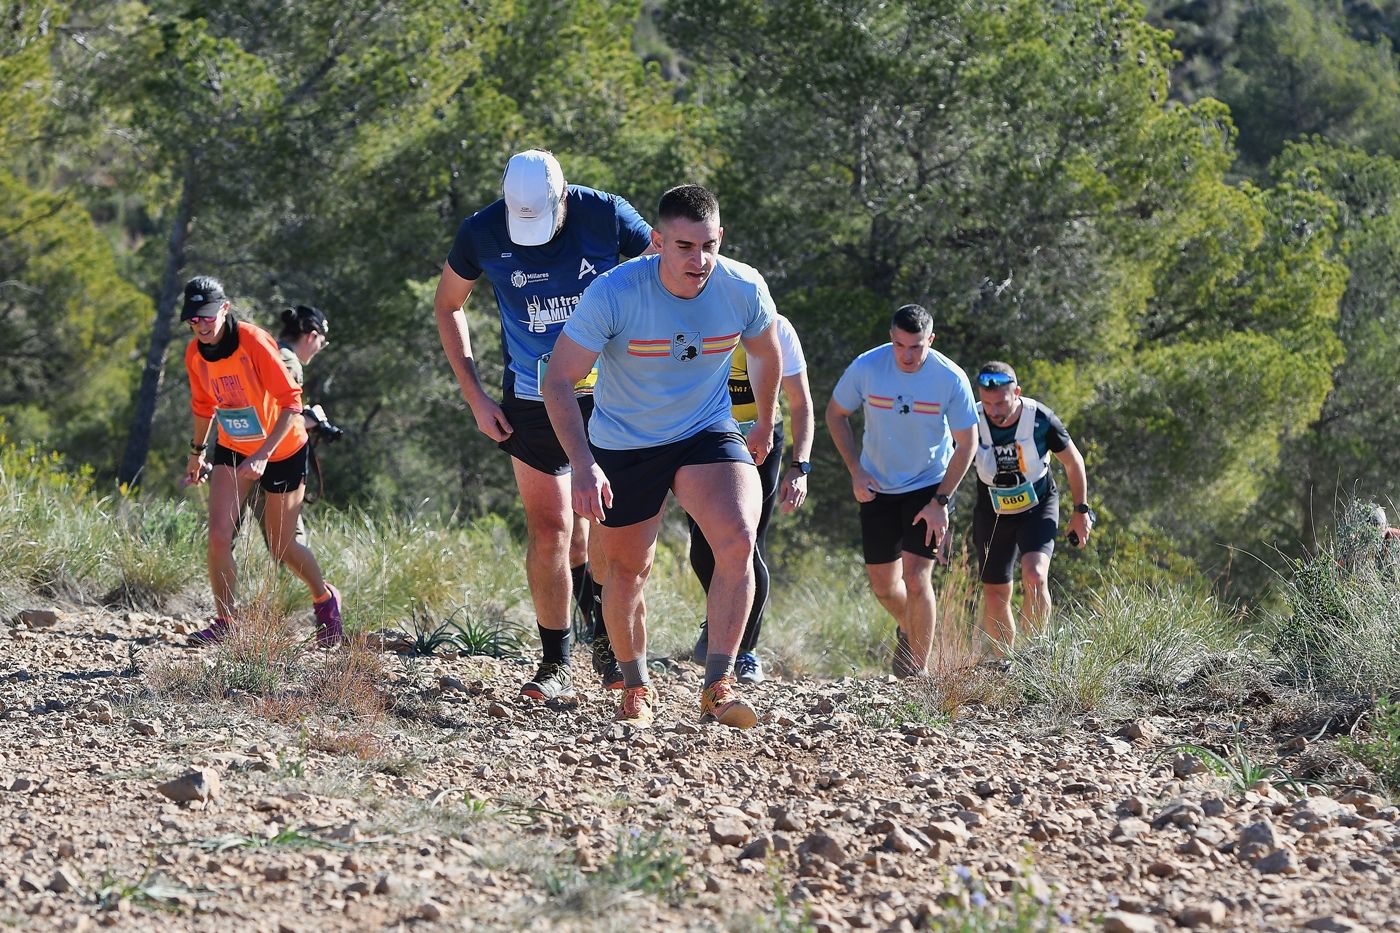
(1278, 862)
(1185, 765)
(495, 711)
(823, 847)
(358, 887)
(146, 726)
(949, 831)
(728, 831)
(201, 784)
(1129, 829)
(786, 819)
(1256, 840)
(387, 884)
(62, 882)
(1336, 923)
(38, 618)
(449, 684)
(759, 848)
(1161, 869)
(1202, 915)
(430, 912)
(1120, 921)
(276, 873)
(900, 841)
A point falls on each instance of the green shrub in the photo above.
(1128, 640)
(1379, 746)
(1340, 628)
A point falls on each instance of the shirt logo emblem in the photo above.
(685, 346)
(517, 278)
(586, 268)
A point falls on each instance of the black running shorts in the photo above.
(887, 526)
(641, 478)
(532, 440)
(1001, 539)
(281, 476)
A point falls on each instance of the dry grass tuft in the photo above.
(337, 697)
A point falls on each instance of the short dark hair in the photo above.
(303, 319)
(997, 366)
(691, 202)
(912, 319)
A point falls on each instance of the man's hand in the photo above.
(935, 519)
(794, 490)
(592, 493)
(760, 442)
(1079, 529)
(254, 465)
(864, 486)
(491, 419)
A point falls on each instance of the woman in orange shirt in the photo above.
(237, 381)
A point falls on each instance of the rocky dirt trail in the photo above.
(845, 808)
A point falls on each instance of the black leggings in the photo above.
(702, 559)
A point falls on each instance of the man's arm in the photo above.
(799, 396)
(935, 514)
(766, 362)
(569, 363)
(452, 293)
(863, 485)
(1078, 478)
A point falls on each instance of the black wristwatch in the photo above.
(941, 499)
(1083, 509)
(802, 466)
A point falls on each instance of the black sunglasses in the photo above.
(994, 380)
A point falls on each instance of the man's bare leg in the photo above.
(723, 498)
(1035, 586)
(549, 526)
(627, 554)
(920, 608)
(997, 620)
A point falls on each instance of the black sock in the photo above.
(583, 588)
(599, 629)
(556, 645)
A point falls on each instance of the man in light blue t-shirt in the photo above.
(662, 330)
(917, 404)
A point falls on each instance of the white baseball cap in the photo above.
(533, 188)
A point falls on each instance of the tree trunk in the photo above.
(138, 442)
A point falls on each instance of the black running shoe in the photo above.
(902, 664)
(552, 681)
(702, 644)
(605, 663)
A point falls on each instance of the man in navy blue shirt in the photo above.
(540, 245)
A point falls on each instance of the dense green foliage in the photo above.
(1178, 221)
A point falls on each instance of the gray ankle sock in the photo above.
(634, 673)
(717, 666)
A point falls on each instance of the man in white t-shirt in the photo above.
(917, 404)
(789, 487)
